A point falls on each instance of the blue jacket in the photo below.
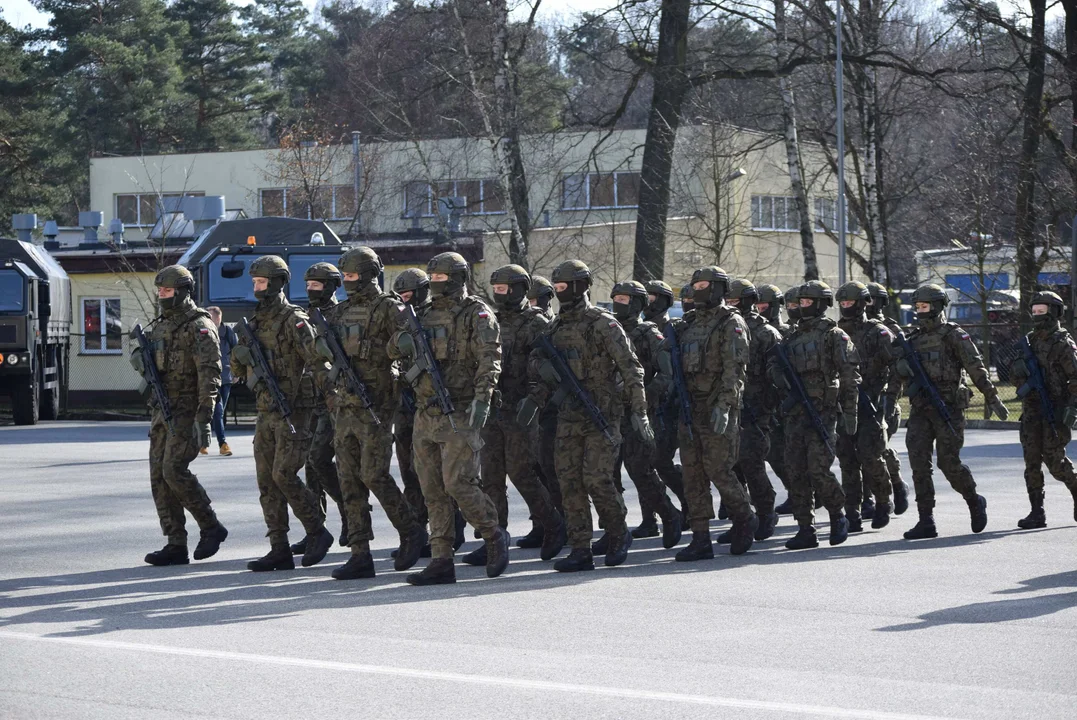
(228, 341)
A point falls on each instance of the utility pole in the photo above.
(840, 81)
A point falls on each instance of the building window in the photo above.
(101, 331)
(324, 202)
(140, 209)
(593, 191)
(774, 213)
(826, 217)
(484, 197)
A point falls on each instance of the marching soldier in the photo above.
(464, 338)
(596, 350)
(364, 324)
(629, 300)
(187, 354)
(825, 360)
(506, 445)
(1044, 438)
(322, 280)
(758, 406)
(769, 303)
(877, 303)
(714, 354)
(946, 353)
(544, 433)
(281, 444)
(861, 456)
(540, 295)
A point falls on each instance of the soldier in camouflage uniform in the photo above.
(187, 354)
(413, 287)
(596, 349)
(506, 445)
(825, 359)
(465, 340)
(758, 407)
(861, 456)
(322, 280)
(281, 444)
(629, 299)
(947, 353)
(364, 324)
(714, 354)
(769, 303)
(879, 299)
(1041, 441)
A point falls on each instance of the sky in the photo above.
(22, 12)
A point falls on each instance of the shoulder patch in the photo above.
(661, 336)
(203, 331)
(738, 329)
(614, 323)
(483, 314)
(964, 335)
(301, 324)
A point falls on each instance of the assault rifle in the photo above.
(680, 389)
(1037, 382)
(922, 383)
(152, 377)
(798, 394)
(342, 364)
(570, 384)
(264, 374)
(425, 361)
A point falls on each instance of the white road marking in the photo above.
(472, 679)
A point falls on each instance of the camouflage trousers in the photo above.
(1042, 447)
(709, 459)
(403, 430)
(665, 450)
(638, 459)
(174, 487)
(543, 439)
(893, 465)
(863, 464)
(926, 432)
(751, 467)
(320, 471)
(506, 451)
(585, 463)
(365, 453)
(776, 455)
(448, 466)
(278, 455)
(807, 462)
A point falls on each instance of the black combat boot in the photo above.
(461, 525)
(497, 553)
(743, 535)
(785, 508)
(300, 547)
(767, 523)
(318, 545)
(804, 539)
(440, 571)
(532, 539)
(672, 527)
(901, 497)
(924, 529)
(358, 567)
(210, 542)
(723, 514)
(978, 513)
(554, 539)
(577, 560)
(602, 545)
(648, 528)
(169, 555)
(701, 548)
(867, 509)
(343, 540)
(279, 558)
(725, 537)
(839, 528)
(882, 516)
(411, 547)
(476, 557)
(856, 523)
(1037, 518)
(618, 550)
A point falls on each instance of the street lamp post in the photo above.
(840, 81)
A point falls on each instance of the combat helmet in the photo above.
(879, 298)
(365, 263)
(541, 292)
(856, 292)
(637, 299)
(934, 295)
(416, 282)
(518, 281)
(714, 293)
(821, 296)
(1055, 307)
(328, 275)
(792, 303)
(577, 276)
(744, 293)
(663, 300)
(688, 301)
(773, 298)
(178, 277)
(274, 269)
(448, 263)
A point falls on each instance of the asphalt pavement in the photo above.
(963, 626)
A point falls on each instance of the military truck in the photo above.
(35, 331)
(220, 257)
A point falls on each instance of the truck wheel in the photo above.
(24, 403)
(50, 399)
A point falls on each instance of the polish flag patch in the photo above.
(964, 336)
(301, 324)
(661, 336)
(203, 331)
(483, 314)
(738, 330)
(614, 323)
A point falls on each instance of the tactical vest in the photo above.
(701, 359)
(275, 329)
(175, 352)
(940, 361)
(811, 352)
(364, 330)
(642, 336)
(518, 329)
(873, 341)
(1055, 353)
(577, 338)
(450, 336)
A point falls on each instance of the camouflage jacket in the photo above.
(826, 360)
(285, 334)
(949, 357)
(364, 324)
(519, 329)
(648, 343)
(875, 345)
(187, 352)
(759, 393)
(1056, 354)
(714, 355)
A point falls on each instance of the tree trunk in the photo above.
(671, 85)
(1032, 128)
(792, 152)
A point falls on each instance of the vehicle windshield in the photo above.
(12, 291)
(241, 289)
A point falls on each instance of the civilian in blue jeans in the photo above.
(228, 341)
